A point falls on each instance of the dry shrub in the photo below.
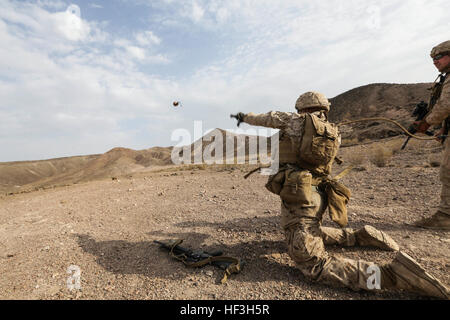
(434, 160)
(380, 155)
(188, 167)
(226, 167)
(347, 142)
(395, 145)
(416, 146)
(357, 158)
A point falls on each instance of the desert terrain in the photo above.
(107, 227)
(100, 214)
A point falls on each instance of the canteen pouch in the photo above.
(297, 188)
(275, 182)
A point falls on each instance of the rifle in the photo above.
(200, 258)
(420, 112)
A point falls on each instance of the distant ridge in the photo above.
(393, 101)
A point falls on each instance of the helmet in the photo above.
(440, 48)
(312, 100)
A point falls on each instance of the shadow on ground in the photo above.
(265, 260)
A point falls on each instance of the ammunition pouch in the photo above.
(297, 188)
(275, 182)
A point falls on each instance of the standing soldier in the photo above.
(308, 145)
(440, 114)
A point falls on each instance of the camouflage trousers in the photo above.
(444, 205)
(306, 240)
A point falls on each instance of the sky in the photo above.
(82, 77)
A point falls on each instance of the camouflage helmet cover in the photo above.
(312, 100)
(440, 48)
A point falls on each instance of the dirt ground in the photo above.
(106, 230)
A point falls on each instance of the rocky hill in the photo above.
(393, 101)
(14, 175)
(229, 147)
(31, 175)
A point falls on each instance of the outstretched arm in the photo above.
(272, 119)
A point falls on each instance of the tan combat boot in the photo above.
(406, 274)
(371, 237)
(438, 221)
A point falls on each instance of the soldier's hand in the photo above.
(439, 136)
(239, 117)
(421, 126)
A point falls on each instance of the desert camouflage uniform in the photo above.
(439, 113)
(306, 238)
(302, 226)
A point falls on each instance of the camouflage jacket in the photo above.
(441, 109)
(290, 124)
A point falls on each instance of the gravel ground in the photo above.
(106, 230)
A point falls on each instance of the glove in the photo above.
(239, 117)
(421, 126)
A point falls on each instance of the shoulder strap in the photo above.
(436, 90)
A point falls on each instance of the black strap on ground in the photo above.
(197, 259)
